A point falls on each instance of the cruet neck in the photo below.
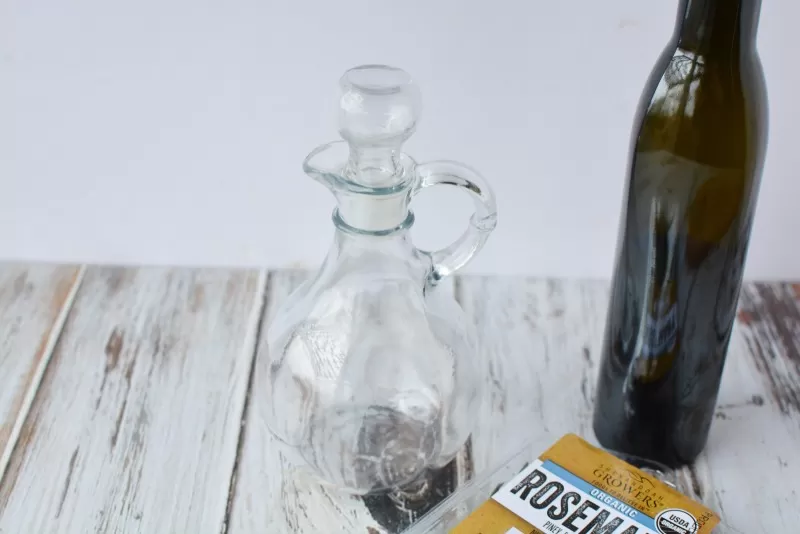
(382, 216)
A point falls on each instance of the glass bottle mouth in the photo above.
(328, 164)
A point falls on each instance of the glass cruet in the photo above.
(372, 375)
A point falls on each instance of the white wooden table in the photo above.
(125, 402)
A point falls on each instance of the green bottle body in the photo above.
(696, 156)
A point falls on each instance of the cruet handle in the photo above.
(448, 260)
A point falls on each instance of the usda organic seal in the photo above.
(675, 521)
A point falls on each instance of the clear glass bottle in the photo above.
(372, 375)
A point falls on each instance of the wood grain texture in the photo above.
(543, 337)
(274, 496)
(751, 465)
(33, 302)
(539, 337)
(135, 426)
(147, 417)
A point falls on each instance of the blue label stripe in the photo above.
(641, 518)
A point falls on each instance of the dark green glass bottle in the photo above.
(696, 156)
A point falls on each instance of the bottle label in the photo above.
(576, 487)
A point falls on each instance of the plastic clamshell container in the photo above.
(456, 507)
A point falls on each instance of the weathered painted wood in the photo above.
(135, 425)
(34, 300)
(271, 495)
(751, 466)
(540, 339)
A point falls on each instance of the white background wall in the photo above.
(173, 131)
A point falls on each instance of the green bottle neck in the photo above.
(722, 28)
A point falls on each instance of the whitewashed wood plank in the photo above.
(34, 300)
(135, 425)
(540, 338)
(272, 496)
(751, 465)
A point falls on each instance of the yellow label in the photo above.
(577, 488)
(494, 518)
